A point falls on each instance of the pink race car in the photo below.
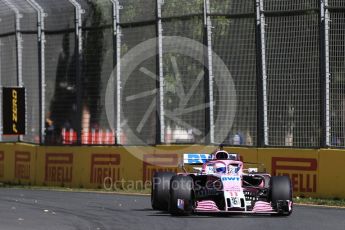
(220, 185)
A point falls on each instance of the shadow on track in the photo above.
(212, 215)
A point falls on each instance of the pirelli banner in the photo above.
(301, 165)
(13, 110)
(313, 172)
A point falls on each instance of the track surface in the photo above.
(50, 210)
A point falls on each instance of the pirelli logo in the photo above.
(2, 158)
(13, 110)
(105, 166)
(22, 165)
(302, 172)
(158, 163)
(58, 167)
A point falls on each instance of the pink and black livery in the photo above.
(220, 185)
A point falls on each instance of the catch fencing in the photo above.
(146, 72)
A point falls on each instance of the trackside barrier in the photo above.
(302, 166)
(332, 173)
(19, 163)
(25, 164)
(6, 160)
(312, 172)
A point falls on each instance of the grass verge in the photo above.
(335, 202)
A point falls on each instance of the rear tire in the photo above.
(280, 192)
(160, 190)
(181, 188)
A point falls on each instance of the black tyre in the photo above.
(181, 190)
(281, 194)
(160, 190)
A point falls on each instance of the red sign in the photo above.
(105, 166)
(158, 163)
(58, 167)
(302, 172)
(22, 165)
(2, 157)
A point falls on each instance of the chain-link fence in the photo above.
(184, 92)
(8, 54)
(146, 72)
(336, 54)
(293, 73)
(233, 39)
(138, 97)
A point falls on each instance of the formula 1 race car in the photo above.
(220, 185)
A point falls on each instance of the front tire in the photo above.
(281, 194)
(160, 190)
(181, 200)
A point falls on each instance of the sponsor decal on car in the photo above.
(230, 178)
(235, 201)
(232, 183)
(196, 158)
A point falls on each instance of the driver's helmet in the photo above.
(220, 168)
(221, 155)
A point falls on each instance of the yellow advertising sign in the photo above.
(301, 165)
(158, 163)
(22, 161)
(105, 166)
(312, 172)
(331, 173)
(2, 169)
(302, 172)
(58, 167)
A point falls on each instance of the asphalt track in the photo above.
(50, 210)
